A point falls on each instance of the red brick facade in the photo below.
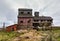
(11, 28)
(25, 21)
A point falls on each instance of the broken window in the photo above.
(36, 20)
(28, 12)
(22, 12)
(41, 20)
(21, 21)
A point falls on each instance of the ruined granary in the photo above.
(27, 20)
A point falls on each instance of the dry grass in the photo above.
(29, 35)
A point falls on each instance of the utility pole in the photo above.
(3, 25)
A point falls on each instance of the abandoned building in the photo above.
(26, 19)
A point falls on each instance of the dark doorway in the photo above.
(12, 29)
(35, 24)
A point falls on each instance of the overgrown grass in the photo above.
(57, 34)
(8, 36)
(5, 36)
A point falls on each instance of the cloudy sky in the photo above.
(9, 9)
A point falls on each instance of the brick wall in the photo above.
(11, 28)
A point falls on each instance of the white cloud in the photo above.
(8, 9)
(14, 5)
